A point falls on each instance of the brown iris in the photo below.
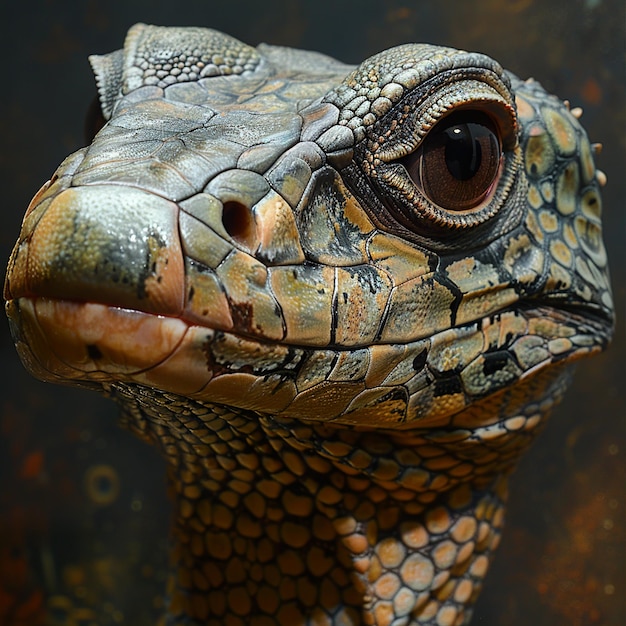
(457, 163)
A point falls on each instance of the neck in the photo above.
(325, 554)
(286, 522)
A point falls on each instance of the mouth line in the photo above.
(590, 318)
(89, 344)
(587, 315)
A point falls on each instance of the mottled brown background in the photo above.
(83, 513)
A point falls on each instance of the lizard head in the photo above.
(281, 232)
(340, 300)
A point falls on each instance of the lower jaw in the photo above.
(87, 344)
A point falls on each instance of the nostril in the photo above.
(238, 221)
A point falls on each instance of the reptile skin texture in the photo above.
(341, 301)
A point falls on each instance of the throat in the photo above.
(282, 555)
(279, 521)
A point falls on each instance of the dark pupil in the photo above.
(463, 153)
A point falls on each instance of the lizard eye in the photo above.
(456, 165)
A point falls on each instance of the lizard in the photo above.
(340, 300)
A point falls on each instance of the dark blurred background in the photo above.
(83, 511)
